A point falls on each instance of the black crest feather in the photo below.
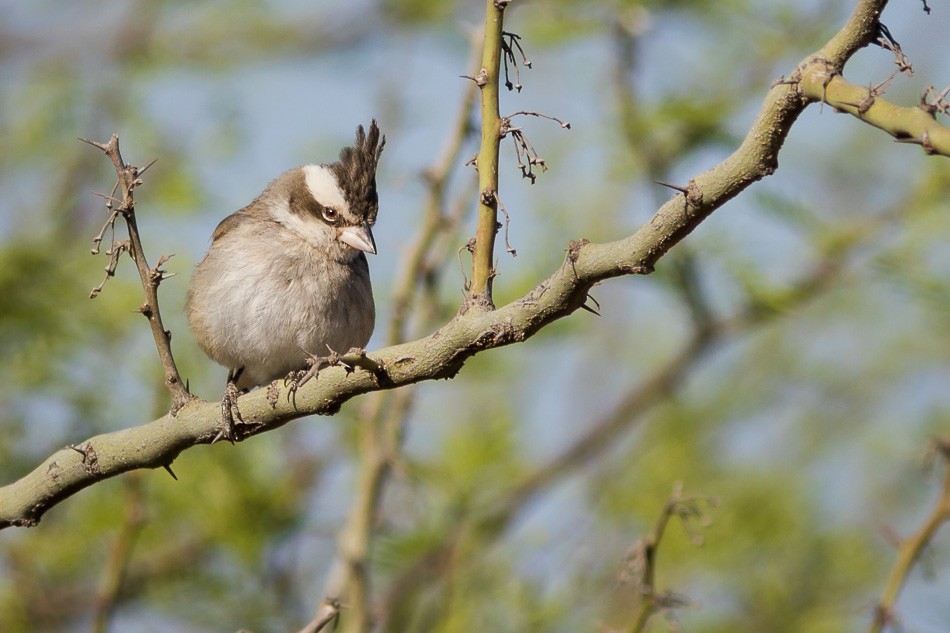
(356, 170)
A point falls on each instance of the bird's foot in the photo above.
(230, 414)
(297, 379)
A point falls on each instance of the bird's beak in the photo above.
(359, 237)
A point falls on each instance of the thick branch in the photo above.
(861, 29)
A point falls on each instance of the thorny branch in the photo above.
(479, 293)
(129, 178)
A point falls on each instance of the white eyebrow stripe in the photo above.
(323, 185)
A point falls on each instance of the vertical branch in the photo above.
(117, 562)
(383, 423)
(479, 292)
(129, 179)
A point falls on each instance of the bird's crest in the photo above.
(356, 170)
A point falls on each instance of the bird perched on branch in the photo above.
(286, 277)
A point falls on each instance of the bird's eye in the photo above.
(329, 215)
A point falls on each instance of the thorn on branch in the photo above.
(793, 80)
(481, 79)
(932, 103)
(590, 309)
(926, 7)
(328, 614)
(886, 41)
(874, 91)
(680, 188)
(156, 274)
(691, 193)
(574, 252)
(470, 247)
(90, 460)
(924, 141)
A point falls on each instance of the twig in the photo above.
(640, 567)
(910, 549)
(564, 124)
(510, 42)
(129, 177)
(328, 613)
(501, 207)
(887, 42)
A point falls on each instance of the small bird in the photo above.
(286, 277)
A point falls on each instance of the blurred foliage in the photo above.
(805, 414)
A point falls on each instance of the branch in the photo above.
(442, 354)
(117, 563)
(128, 180)
(910, 549)
(641, 561)
(382, 427)
(916, 124)
(631, 409)
(479, 292)
(328, 613)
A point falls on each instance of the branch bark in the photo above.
(483, 270)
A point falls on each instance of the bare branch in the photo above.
(129, 177)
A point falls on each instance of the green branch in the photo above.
(483, 270)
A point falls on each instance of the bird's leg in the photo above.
(230, 414)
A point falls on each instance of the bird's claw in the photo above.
(297, 379)
(230, 414)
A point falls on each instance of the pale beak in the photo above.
(358, 237)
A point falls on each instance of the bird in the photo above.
(286, 277)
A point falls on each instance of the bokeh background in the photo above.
(787, 364)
